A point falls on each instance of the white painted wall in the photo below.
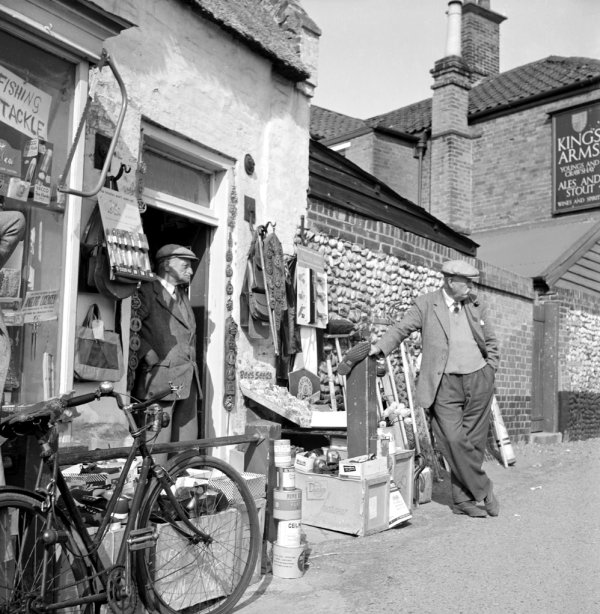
(191, 77)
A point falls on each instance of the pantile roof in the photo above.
(507, 90)
(326, 124)
(252, 22)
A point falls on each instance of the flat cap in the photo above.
(171, 250)
(459, 267)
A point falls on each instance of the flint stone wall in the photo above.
(375, 271)
(579, 366)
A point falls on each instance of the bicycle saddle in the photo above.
(27, 419)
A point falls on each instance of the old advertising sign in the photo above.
(576, 153)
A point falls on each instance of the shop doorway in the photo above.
(162, 227)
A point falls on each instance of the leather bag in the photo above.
(98, 352)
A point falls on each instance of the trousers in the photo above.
(184, 421)
(460, 423)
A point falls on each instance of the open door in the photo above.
(544, 401)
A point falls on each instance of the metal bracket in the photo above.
(62, 187)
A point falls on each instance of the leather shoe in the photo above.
(469, 509)
(492, 505)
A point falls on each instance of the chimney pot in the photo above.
(453, 39)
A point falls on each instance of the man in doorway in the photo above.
(456, 380)
(167, 350)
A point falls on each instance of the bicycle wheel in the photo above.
(178, 575)
(22, 563)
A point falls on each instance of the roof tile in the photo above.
(512, 87)
(255, 24)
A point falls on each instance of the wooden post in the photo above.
(361, 392)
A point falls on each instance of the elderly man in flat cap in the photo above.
(167, 349)
(456, 380)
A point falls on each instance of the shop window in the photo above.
(177, 178)
(181, 176)
(36, 94)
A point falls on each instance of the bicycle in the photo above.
(190, 542)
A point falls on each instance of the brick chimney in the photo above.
(451, 140)
(303, 34)
(481, 39)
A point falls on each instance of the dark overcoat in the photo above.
(168, 328)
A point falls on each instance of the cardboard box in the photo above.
(360, 467)
(358, 507)
(261, 505)
(303, 462)
(403, 474)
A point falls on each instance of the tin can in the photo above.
(287, 478)
(283, 452)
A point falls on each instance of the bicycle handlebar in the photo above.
(45, 413)
(81, 399)
(106, 390)
(143, 404)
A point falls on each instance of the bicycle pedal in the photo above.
(142, 538)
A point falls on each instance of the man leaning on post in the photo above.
(456, 380)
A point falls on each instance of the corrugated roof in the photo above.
(531, 250)
(254, 24)
(509, 89)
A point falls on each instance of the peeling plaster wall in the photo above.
(188, 76)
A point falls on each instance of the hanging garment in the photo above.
(254, 310)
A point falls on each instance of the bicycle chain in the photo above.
(117, 603)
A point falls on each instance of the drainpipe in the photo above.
(420, 148)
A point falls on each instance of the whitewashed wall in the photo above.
(188, 76)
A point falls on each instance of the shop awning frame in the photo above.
(62, 187)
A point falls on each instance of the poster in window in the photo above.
(10, 276)
(576, 159)
(24, 107)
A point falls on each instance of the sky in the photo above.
(376, 55)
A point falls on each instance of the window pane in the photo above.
(176, 178)
(36, 265)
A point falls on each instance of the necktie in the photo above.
(455, 307)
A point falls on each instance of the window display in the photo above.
(36, 93)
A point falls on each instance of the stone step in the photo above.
(545, 437)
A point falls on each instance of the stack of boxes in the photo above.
(367, 495)
(289, 551)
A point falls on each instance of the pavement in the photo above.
(541, 555)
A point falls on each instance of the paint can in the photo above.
(289, 533)
(287, 504)
(289, 562)
(283, 452)
(287, 478)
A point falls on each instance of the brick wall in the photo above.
(361, 152)
(396, 166)
(480, 40)
(375, 270)
(451, 146)
(512, 176)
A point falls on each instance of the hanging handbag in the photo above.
(98, 352)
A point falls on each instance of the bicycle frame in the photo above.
(133, 539)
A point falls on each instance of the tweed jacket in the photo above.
(168, 328)
(429, 314)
